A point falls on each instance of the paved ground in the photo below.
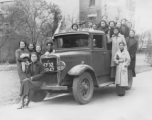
(105, 105)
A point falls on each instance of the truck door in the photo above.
(98, 54)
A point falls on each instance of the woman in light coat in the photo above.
(122, 60)
(115, 39)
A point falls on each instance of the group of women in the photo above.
(33, 72)
(120, 35)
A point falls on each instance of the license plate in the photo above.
(49, 64)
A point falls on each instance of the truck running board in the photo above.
(105, 84)
(47, 87)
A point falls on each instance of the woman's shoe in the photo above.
(20, 106)
(27, 101)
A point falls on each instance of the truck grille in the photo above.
(50, 67)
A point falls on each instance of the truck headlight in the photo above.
(61, 65)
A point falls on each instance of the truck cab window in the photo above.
(97, 41)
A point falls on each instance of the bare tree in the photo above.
(118, 14)
(35, 19)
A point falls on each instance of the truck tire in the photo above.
(130, 80)
(37, 96)
(120, 90)
(83, 88)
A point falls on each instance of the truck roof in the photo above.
(80, 32)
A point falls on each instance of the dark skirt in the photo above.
(133, 73)
(28, 85)
(113, 72)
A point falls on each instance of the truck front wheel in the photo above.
(83, 88)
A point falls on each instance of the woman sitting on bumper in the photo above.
(35, 73)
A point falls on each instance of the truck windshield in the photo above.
(72, 41)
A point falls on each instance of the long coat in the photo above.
(124, 30)
(18, 53)
(115, 45)
(132, 46)
(122, 67)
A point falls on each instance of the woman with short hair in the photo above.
(122, 60)
(49, 46)
(74, 27)
(118, 24)
(103, 26)
(94, 26)
(31, 47)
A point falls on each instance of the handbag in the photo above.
(117, 57)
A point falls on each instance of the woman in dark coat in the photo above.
(103, 26)
(39, 51)
(132, 46)
(124, 30)
(22, 50)
(110, 33)
(111, 28)
(35, 73)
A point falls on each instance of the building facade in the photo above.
(114, 9)
(90, 10)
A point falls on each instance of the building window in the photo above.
(92, 3)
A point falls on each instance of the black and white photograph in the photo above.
(75, 59)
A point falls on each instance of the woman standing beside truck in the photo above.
(122, 60)
(115, 40)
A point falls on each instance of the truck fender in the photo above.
(79, 69)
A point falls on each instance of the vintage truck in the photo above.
(80, 64)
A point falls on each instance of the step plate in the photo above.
(105, 84)
(54, 87)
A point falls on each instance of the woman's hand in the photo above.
(27, 62)
(121, 61)
(117, 62)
